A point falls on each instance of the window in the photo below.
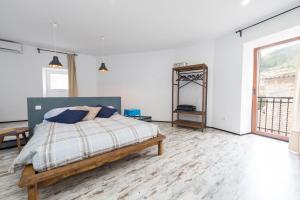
(55, 82)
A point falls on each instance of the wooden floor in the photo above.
(210, 165)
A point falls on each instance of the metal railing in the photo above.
(274, 115)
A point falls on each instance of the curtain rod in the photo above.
(61, 52)
(4, 40)
(282, 13)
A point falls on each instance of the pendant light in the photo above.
(102, 67)
(55, 63)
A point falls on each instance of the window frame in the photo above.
(47, 91)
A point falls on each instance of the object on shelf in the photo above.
(191, 76)
(181, 64)
(186, 108)
(133, 112)
(143, 118)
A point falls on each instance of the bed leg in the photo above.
(160, 148)
(33, 193)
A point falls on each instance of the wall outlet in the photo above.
(223, 118)
(38, 107)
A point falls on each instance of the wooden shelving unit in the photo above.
(182, 76)
(191, 124)
(189, 112)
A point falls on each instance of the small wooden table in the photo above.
(14, 132)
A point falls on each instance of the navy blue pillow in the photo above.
(69, 116)
(106, 112)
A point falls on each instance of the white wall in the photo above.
(21, 77)
(86, 71)
(232, 78)
(203, 52)
(143, 80)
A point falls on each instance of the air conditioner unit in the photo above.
(11, 46)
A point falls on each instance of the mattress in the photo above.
(55, 144)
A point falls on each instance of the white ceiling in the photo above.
(128, 25)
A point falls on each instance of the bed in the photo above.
(57, 151)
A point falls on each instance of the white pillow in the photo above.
(56, 111)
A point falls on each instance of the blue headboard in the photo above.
(36, 115)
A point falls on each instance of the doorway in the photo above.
(275, 69)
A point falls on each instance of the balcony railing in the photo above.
(274, 115)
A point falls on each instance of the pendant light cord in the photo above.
(54, 25)
(102, 38)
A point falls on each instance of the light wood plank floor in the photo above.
(210, 165)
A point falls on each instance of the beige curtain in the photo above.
(294, 140)
(73, 91)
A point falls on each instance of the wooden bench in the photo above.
(33, 180)
(14, 132)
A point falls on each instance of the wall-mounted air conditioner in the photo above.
(10, 46)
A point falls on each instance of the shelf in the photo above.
(189, 112)
(187, 123)
(182, 77)
(190, 68)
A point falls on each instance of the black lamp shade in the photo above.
(55, 62)
(103, 68)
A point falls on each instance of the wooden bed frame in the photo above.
(34, 180)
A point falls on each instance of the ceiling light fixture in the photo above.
(245, 2)
(55, 63)
(102, 67)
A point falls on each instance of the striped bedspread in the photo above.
(55, 144)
